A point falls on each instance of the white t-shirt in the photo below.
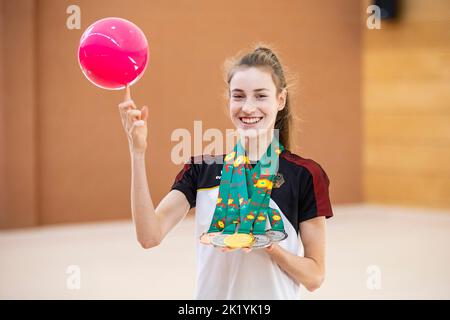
(300, 193)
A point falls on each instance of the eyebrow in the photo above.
(256, 90)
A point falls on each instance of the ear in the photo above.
(282, 99)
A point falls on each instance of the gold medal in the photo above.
(239, 240)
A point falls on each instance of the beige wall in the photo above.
(67, 159)
(2, 135)
(407, 107)
(18, 125)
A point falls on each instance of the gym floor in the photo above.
(374, 252)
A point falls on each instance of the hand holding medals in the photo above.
(242, 207)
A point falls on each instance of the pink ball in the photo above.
(113, 53)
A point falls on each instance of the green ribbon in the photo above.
(244, 192)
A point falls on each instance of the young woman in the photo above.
(298, 193)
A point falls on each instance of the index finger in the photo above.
(127, 93)
(127, 102)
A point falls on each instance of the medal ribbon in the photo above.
(244, 192)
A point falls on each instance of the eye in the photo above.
(238, 96)
(260, 96)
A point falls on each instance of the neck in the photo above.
(256, 146)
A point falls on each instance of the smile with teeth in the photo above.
(250, 120)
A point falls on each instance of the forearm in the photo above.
(146, 222)
(303, 270)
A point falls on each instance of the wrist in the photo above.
(137, 154)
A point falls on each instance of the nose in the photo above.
(248, 106)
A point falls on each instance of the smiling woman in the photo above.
(264, 206)
(258, 93)
(250, 105)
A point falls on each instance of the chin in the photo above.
(251, 132)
